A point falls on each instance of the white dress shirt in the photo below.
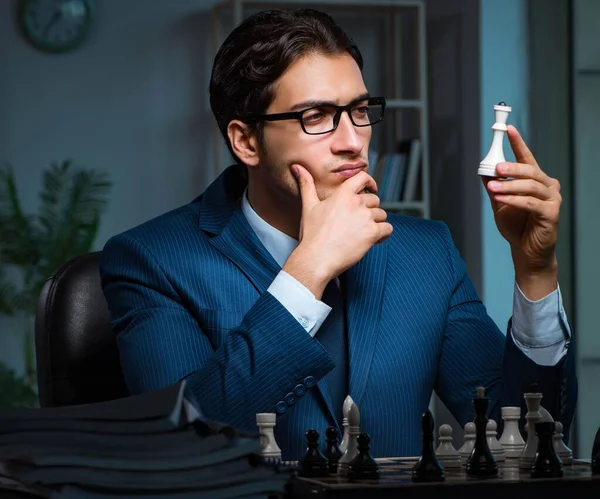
(539, 328)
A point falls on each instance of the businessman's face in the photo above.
(311, 80)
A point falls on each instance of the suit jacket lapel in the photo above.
(365, 283)
(239, 243)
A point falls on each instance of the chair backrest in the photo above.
(76, 351)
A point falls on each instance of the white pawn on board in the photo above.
(533, 416)
(269, 449)
(447, 455)
(511, 438)
(495, 155)
(352, 447)
(565, 454)
(345, 410)
(495, 448)
(467, 448)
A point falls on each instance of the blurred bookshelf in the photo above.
(395, 67)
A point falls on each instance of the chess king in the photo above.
(284, 286)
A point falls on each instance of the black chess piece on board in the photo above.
(313, 464)
(546, 463)
(428, 468)
(596, 454)
(363, 466)
(481, 462)
(332, 451)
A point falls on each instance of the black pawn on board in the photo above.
(546, 463)
(313, 464)
(481, 462)
(428, 468)
(363, 466)
(332, 451)
(596, 454)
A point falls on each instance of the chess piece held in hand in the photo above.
(428, 468)
(546, 463)
(313, 464)
(487, 167)
(363, 466)
(481, 462)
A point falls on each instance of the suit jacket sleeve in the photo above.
(476, 353)
(160, 342)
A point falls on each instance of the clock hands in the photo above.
(55, 17)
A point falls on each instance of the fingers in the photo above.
(523, 170)
(522, 187)
(370, 200)
(359, 183)
(520, 149)
(306, 184)
(385, 230)
(543, 209)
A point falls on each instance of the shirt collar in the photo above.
(277, 243)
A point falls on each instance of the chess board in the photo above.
(395, 480)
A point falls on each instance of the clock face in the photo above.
(55, 25)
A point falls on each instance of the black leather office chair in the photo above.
(77, 356)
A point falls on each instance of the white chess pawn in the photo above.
(565, 454)
(495, 155)
(352, 445)
(495, 448)
(345, 410)
(268, 445)
(533, 416)
(470, 435)
(447, 455)
(511, 438)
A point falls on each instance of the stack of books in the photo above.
(153, 445)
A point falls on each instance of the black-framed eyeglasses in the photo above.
(326, 118)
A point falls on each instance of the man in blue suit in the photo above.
(284, 286)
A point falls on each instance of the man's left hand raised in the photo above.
(526, 210)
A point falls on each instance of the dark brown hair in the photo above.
(257, 53)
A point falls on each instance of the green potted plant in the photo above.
(32, 247)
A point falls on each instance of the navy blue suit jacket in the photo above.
(187, 295)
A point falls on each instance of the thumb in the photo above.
(306, 184)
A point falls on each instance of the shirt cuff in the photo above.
(299, 301)
(540, 328)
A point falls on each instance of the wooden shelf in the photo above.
(404, 103)
(403, 205)
(326, 3)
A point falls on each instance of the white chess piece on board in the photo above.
(447, 455)
(352, 445)
(487, 167)
(533, 416)
(495, 448)
(345, 410)
(565, 454)
(268, 446)
(467, 448)
(511, 438)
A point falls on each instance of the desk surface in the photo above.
(395, 481)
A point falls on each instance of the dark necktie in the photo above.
(333, 337)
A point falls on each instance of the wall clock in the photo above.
(55, 25)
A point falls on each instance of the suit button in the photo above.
(299, 390)
(309, 381)
(290, 399)
(280, 407)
